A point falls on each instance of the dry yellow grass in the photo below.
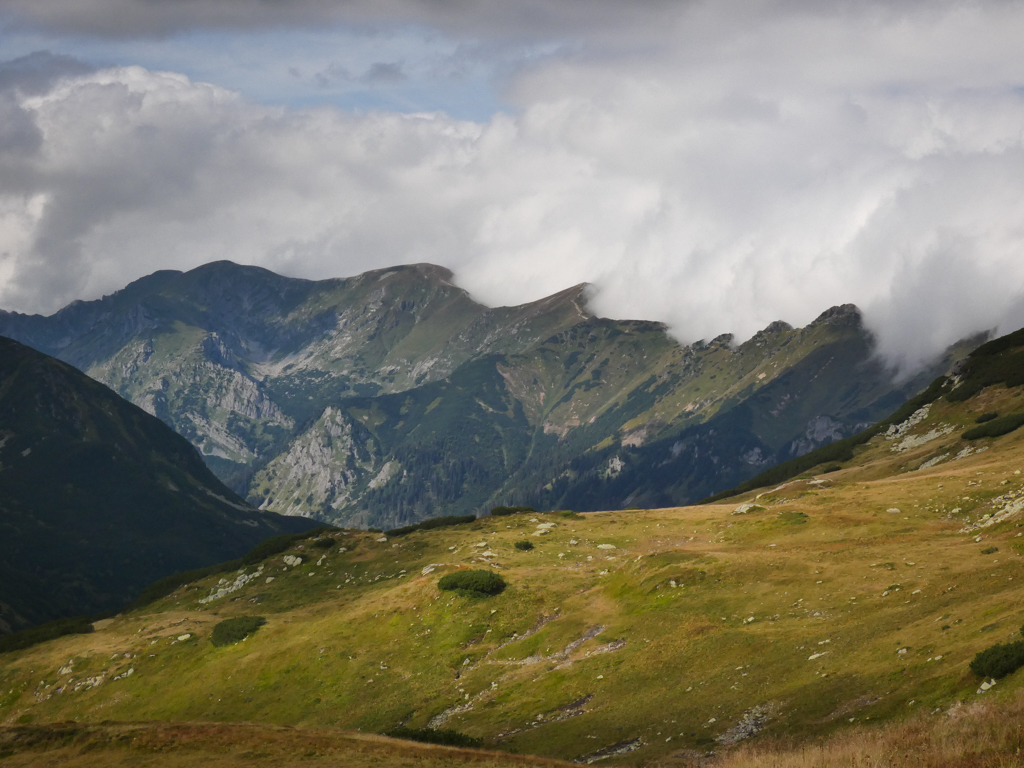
(983, 734)
(227, 745)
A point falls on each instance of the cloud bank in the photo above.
(714, 166)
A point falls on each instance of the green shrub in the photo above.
(505, 511)
(325, 543)
(474, 583)
(231, 631)
(430, 736)
(524, 545)
(433, 522)
(832, 468)
(996, 427)
(79, 625)
(999, 660)
(986, 417)
(989, 550)
(991, 363)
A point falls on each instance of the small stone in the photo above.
(606, 546)
(382, 538)
(269, 579)
(893, 510)
(183, 638)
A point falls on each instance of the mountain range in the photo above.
(392, 396)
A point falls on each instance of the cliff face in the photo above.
(392, 395)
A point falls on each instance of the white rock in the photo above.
(382, 538)
(183, 638)
(269, 579)
(606, 546)
(893, 510)
(817, 655)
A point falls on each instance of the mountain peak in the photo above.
(843, 314)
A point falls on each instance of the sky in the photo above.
(712, 165)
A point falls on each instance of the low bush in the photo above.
(989, 550)
(433, 522)
(524, 545)
(79, 625)
(325, 543)
(231, 631)
(999, 661)
(832, 468)
(986, 417)
(505, 511)
(996, 427)
(474, 583)
(431, 736)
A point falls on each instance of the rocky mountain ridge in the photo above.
(390, 396)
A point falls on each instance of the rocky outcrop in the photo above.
(322, 469)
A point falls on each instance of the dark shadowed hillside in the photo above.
(99, 498)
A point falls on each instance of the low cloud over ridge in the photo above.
(745, 168)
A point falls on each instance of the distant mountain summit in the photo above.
(98, 499)
(384, 398)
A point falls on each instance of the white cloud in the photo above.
(743, 166)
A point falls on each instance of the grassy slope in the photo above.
(365, 640)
